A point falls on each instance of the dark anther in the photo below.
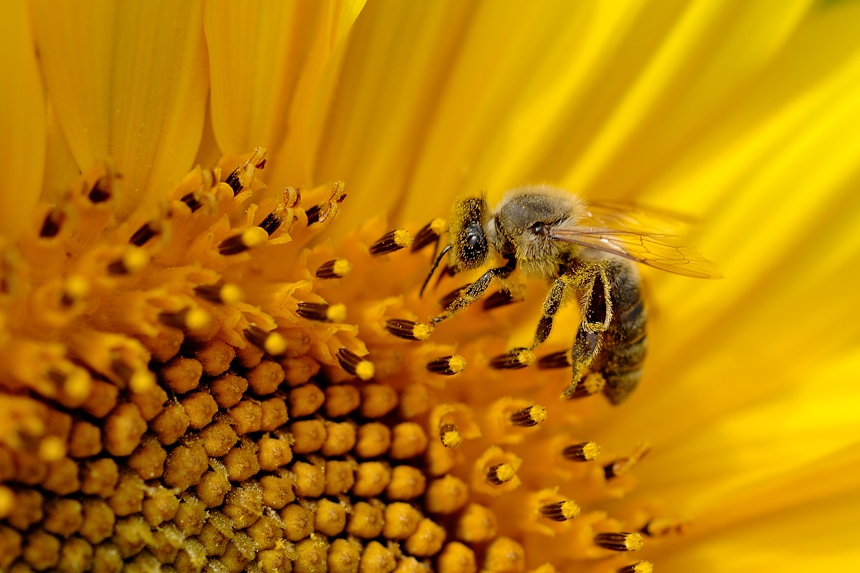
(233, 180)
(500, 298)
(426, 236)
(391, 242)
(100, 191)
(514, 359)
(584, 452)
(447, 365)
(555, 360)
(313, 310)
(560, 511)
(271, 223)
(191, 200)
(528, 417)
(143, 235)
(619, 541)
(53, 222)
(407, 329)
(313, 214)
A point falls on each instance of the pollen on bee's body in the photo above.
(560, 511)
(584, 452)
(528, 417)
(322, 312)
(447, 365)
(620, 541)
(391, 242)
(514, 359)
(355, 364)
(408, 329)
(334, 269)
(245, 240)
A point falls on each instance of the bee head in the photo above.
(469, 245)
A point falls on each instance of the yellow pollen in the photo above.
(438, 225)
(78, 384)
(275, 344)
(365, 370)
(197, 319)
(336, 313)
(76, 287)
(342, 267)
(141, 381)
(456, 363)
(254, 236)
(134, 260)
(402, 238)
(526, 357)
(640, 567)
(231, 294)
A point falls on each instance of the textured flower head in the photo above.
(215, 226)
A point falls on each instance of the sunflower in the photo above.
(216, 219)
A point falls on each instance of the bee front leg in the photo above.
(475, 290)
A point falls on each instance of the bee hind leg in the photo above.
(586, 347)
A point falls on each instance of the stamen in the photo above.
(137, 380)
(450, 435)
(186, 319)
(243, 241)
(391, 242)
(584, 452)
(355, 364)
(130, 262)
(408, 329)
(271, 223)
(528, 417)
(514, 359)
(192, 200)
(619, 541)
(244, 173)
(319, 213)
(622, 466)
(659, 526)
(292, 197)
(500, 298)
(555, 360)
(271, 342)
(428, 234)
(322, 312)
(560, 511)
(588, 386)
(639, 567)
(52, 224)
(446, 300)
(500, 473)
(75, 289)
(144, 234)
(334, 269)
(101, 191)
(219, 293)
(447, 365)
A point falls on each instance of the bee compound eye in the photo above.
(538, 228)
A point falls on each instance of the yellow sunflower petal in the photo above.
(266, 62)
(128, 82)
(22, 122)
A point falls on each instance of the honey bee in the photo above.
(586, 252)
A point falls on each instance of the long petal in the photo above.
(128, 82)
(22, 122)
(268, 61)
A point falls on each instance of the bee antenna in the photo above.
(433, 268)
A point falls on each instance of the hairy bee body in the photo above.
(584, 251)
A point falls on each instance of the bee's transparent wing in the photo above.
(665, 252)
(626, 216)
